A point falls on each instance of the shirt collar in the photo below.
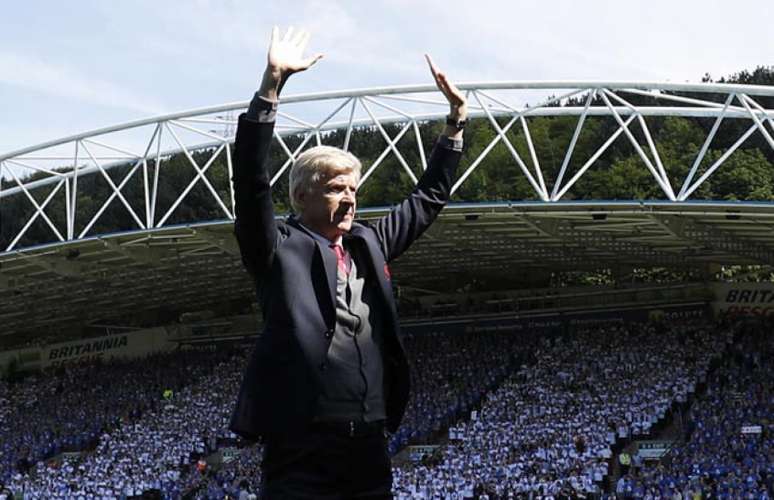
(320, 238)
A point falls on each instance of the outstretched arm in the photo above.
(406, 222)
(255, 228)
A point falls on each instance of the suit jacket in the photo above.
(296, 284)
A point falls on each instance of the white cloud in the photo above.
(26, 71)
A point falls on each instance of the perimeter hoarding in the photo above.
(559, 322)
(124, 345)
(744, 299)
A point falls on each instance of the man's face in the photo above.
(329, 205)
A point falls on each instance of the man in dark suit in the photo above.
(328, 375)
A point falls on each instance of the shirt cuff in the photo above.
(447, 142)
(262, 110)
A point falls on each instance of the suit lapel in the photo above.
(373, 256)
(370, 254)
(331, 268)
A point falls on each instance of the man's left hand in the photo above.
(458, 104)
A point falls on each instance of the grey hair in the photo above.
(313, 164)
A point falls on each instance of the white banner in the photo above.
(125, 345)
(229, 454)
(652, 450)
(417, 453)
(129, 345)
(750, 299)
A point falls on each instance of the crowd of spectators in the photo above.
(545, 414)
(719, 458)
(450, 374)
(135, 436)
(238, 478)
(66, 408)
(548, 430)
(135, 439)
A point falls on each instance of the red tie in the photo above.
(341, 259)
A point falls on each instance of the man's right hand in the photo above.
(286, 56)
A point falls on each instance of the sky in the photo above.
(68, 67)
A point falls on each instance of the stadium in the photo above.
(588, 318)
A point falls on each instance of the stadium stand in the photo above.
(135, 440)
(548, 413)
(117, 414)
(549, 430)
(729, 453)
(450, 374)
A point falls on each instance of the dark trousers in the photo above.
(323, 464)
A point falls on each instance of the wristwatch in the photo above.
(458, 124)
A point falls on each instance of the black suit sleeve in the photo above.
(254, 227)
(407, 221)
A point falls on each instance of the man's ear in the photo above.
(299, 196)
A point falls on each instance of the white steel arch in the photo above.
(310, 116)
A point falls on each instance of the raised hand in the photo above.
(286, 54)
(457, 102)
(285, 57)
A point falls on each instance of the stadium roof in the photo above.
(127, 278)
(151, 275)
